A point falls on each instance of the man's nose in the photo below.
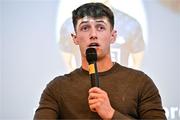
(93, 34)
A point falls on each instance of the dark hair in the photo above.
(95, 10)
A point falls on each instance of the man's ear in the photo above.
(74, 37)
(113, 36)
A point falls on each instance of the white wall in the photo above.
(29, 56)
(0, 57)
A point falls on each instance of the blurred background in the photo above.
(30, 55)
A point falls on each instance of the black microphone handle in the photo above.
(94, 77)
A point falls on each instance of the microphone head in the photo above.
(91, 55)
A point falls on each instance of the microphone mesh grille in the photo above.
(91, 55)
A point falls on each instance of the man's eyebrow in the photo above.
(83, 22)
(97, 21)
(101, 21)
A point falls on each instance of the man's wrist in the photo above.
(110, 114)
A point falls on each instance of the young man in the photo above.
(127, 50)
(124, 93)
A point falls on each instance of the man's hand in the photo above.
(99, 102)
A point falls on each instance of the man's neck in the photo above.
(102, 65)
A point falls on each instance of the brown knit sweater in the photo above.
(132, 94)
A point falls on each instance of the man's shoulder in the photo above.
(129, 69)
(66, 77)
(133, 73)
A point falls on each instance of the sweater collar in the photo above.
(113, 69)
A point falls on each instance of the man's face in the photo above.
(96, 33)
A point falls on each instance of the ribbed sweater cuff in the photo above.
(117, 115)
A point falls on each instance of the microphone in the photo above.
(91, 57)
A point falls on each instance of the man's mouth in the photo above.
(94, 45)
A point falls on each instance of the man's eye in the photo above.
(101, 28)
(84, 28)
